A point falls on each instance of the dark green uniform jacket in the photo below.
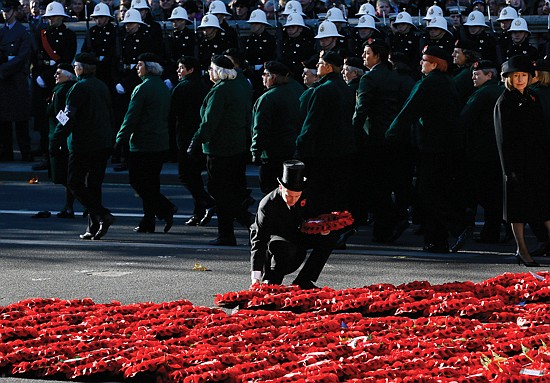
(224, 115)
(146, 121)
(90, 124)
(433, 104)
(327, 130)
(464, 84)
(57, 103)
(276, 121)
(477, 121)
(379, 99)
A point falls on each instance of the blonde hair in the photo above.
(543, 77)
(508, 81)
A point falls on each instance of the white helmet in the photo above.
(217, 7)
(210, 20)
(139, 4)
(519, 25)
(404, 18)
(367, 9)
(132, 16)
(293, 6)
(508, 13)
(179, 13)
(367, 21)
(327, 29)
(476, 19)
(438, 22)
(55, 9)
(294, 19)
(433, 11)
(335, 15)
(258, 16)
(101, 9)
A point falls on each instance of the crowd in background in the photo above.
(356, 98)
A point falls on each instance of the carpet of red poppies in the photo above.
(497, 330)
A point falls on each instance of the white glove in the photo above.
(52, 62)
(169, 83)
(258, 67)
(120, 89)
(101, 58)
(132, 66)
(40, 82)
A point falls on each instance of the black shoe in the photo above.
(221, 241)
(42, 165)
(104, 224)
(433, 248)
(399, 229)
(526, 263)
(42, 214)
(462, 239)
(122, 167)
(193, 221)
(305, 284)
(208, 216)
(87, 235)
(65, 214)
(169, 220)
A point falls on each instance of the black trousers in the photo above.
(85, 178)
(329, 183)
(6, 139)
(285, 257)
(144, 170)
(190, 174)
(227, 184)
(441, 196)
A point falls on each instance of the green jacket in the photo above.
(276, 121)
(433, 108)
(477, 121)
(224, 113)
(57, 103)
(90, 124)
(327, 131)
(464, 85)
(145, 124)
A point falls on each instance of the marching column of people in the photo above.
(357, 133)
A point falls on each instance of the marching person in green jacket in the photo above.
(433, 108)
(145, 126)
(222, 133)
(326, 142)
(87, 125)
(275, 123)
(482, 160)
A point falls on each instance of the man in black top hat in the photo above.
(278, 245)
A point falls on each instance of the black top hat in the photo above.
(518, 63)
(8, 5)
(293, 175)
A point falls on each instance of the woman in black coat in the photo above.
(524, 153)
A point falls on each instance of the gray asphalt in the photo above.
(46, 258)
